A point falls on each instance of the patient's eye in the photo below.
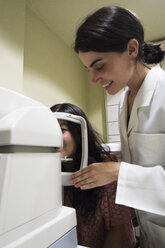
(64, 128)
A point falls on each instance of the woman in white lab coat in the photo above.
(110, 43)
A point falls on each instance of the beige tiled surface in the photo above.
(112, 108)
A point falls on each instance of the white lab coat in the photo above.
(143, 143)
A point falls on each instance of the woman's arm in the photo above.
(115, 237)
(142, 188)
(138, 187)
(97, 174)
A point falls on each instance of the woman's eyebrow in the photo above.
(63, 123)
(94, 62)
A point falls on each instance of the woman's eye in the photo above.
(64, 129)
(99, 68)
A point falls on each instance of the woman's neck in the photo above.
(134, 85)
(138, 77)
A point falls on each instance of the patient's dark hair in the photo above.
(85, 200)
(109, 29)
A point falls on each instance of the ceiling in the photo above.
(64, 16)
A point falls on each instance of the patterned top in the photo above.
(91, 233)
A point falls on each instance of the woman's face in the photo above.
(69, 145)
(112, 70)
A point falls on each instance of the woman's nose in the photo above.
(94, 78)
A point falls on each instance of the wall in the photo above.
(12, 20)
(52, 71)
(162, 42)
(112, 107)
(36, 62)
(96, 108)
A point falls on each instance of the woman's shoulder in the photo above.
(158, 72)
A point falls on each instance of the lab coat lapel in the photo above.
(123, 127)
(142, 99)
(123, 113)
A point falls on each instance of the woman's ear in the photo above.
(133, 48)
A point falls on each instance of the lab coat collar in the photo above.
(145, 93)
(142, 99)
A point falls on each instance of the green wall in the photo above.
(52, 71)
(37, 63)
(12, 21)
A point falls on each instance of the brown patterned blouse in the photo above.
(108, 214)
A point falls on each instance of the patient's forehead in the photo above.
(63, 122)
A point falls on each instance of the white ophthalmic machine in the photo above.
(31, 210)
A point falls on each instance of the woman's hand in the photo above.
(97, 174)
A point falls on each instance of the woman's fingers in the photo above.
(81, 177)
(95, 175)
(88, 186)
(86, 178)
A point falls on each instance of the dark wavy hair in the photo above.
(86, 200)
(109, 29)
